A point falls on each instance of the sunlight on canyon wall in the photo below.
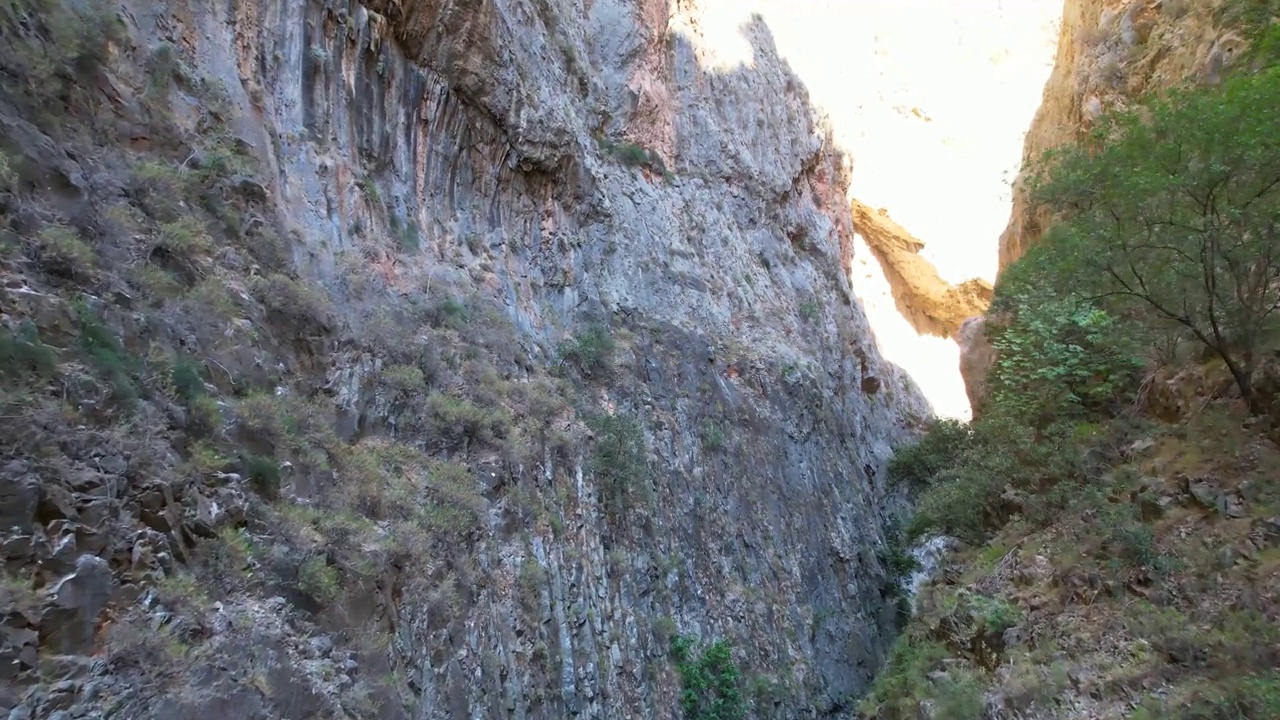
(931, 98)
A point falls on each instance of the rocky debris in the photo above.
(1207, 493)
(932, 305)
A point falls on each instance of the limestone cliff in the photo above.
(1111, 52)
(932, 305)
(430, 359)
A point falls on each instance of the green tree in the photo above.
(710, 681)
(1171, 215)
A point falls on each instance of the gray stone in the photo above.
(113, 465)
(69, 618)
(19, 497)
(322, 644)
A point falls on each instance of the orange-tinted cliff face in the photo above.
(1109, 53)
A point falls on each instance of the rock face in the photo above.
(932, 305)
(1110, 52)
(562, 165)
(976, 358)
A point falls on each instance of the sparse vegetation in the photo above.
(591, 351)
(618, 462)
(710, 681)
(634, 155)
(61, 249)
(319, 580)
(713, 435)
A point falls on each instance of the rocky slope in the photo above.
(417, 358)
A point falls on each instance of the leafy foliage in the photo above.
(903, 682)
(710, 681)
(917, 464)
(1060, 356)
(618, 460)
(1003, 468)
(592, 351)
(1171, 215)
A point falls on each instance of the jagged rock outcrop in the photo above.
(1111, 52)
(932, 305)
(449, 546)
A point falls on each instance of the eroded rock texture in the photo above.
(560, 163)
(932, 305)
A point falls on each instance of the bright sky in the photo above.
(974, 68)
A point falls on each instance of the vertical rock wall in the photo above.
(568, 162)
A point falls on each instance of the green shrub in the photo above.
(456, 507)
(107, 356)
(591, 351)
(186, 378)
(292, 301)
(1006, 469)
(369, 190)
(1060, 356)
(1244, 697)
(456, 422)
(8, 174)
(185, 239)
(913, 675)
(318, 579)
(713, 435)
(618, 461)
(263, 474)
(898, 562)
(917, 464)
(710, 681)
(631, 154)
(62, 252)
(404, 379)
(204, 416)
(904, 682)
(22, 353)
(449, 312)
(408, 233)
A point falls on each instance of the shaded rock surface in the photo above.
(194, 541)
(976, 359)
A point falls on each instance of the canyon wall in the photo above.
(473, 201)
(1110, 53)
